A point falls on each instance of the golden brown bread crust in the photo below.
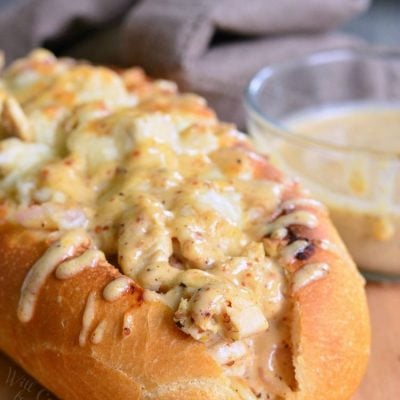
(330, 333)
(151, 363)
(331, 329)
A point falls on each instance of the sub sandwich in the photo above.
(149, 252)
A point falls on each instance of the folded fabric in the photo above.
(25, 24)
(222, 74)
(187, 25)
(283, 16)
(165, 34)
(188, 41)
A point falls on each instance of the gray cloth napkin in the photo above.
(26, 24)
(214, 47)
(171, 33)
(222, 74)
(210, 47)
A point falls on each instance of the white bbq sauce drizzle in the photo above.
(327, 245)
(279, 233)
(242, 389)
(299, 217)
(302, 202)
(64, 248)
(127, 324)
(98, 333)
(117, 288)
(89, 259)
(88, 317)
(309, 273)
(289, 253)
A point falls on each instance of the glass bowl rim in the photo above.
(257, 81)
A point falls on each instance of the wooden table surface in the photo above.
(382, 381)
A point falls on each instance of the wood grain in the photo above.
(15, 384)
(382, 380)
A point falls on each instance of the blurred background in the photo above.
(379, 25)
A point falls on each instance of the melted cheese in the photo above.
(89, 259)
(98, 333)
(301, 217)
(309, 273)
(89, 315)
(65, 248)
(327, 245)
(219, 309)
(117, 288)
(302, 202)
(127, 324)
(152, 179)
(289, 253)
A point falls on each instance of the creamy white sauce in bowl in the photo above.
(332, 119)
(360, 184)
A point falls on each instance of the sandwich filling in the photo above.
(115, 166)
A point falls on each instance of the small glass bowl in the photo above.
(359, 184)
